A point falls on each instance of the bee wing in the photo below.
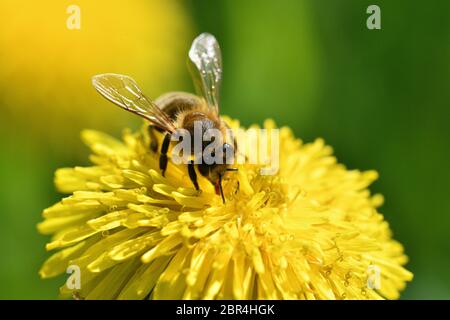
(206, 68)
(124, 92)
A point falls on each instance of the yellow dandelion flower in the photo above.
(45, 66)
(311, 231)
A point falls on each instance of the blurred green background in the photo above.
(381, 98)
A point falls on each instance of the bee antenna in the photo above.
(232, 169)
(220, 188)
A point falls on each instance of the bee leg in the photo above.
(193, 174)
(153, 138)
(163, 155)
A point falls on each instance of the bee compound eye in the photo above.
(227, 147)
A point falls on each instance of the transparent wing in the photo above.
(124, 92)
(206, 68)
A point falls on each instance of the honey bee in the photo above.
(181, 110)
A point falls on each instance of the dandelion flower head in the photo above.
(311, 231)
